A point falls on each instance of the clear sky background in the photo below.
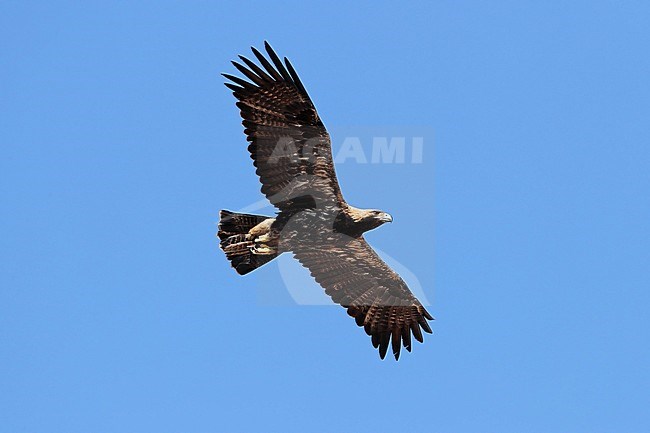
(527, 225)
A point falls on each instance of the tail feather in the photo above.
(237, 244)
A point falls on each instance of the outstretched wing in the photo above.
(354, 276)
(288, 142)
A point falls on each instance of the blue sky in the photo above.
(527, 223)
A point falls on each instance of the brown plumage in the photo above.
(292, 152)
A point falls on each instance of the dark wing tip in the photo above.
(295, 77)
(234, 88)
(383, 344)
(397, 343)
(248, 73)
(277, 62)
(406, 338)
(263, 75)
(266, 64)
(243, 83)
(426, 327)
(375, 340)
(417, 333)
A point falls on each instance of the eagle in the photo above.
(292, 153)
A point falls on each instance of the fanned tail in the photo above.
(238, 244)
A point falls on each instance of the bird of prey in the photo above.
(292, 153)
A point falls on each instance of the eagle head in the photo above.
(382, 217)
(368, 219)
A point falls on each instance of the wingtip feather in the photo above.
(417, 333)
(277, 62)
(383, 344)
(397, 343)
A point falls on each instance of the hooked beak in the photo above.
(387, 218)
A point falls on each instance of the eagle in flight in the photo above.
(292, 153)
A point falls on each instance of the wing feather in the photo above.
(259, 71)
(243, 83)
(265, 63)
(354, 276)
(248, 73)
(294, 76)
(277, 62)
(396, 339)
(290, 146)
